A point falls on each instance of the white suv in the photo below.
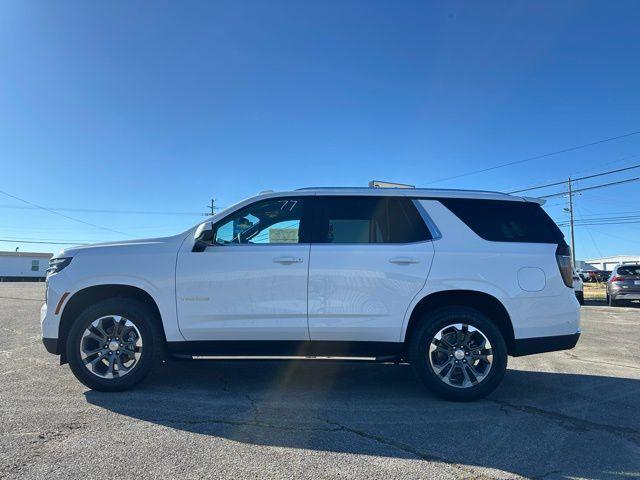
(449, 281)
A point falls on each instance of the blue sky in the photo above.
(158, 106)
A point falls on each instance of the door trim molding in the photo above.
(285, 348)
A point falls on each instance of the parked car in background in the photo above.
(604, 275)
(578, 287)
(624, 284)
(593, 276)
(448, 281)
(583, 274)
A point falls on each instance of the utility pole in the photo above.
(212, 207)
(573, 243)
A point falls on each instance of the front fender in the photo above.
(161, 292)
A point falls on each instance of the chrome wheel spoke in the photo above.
(466, 378)
(443, 369)
(462, 334)
(112, 363)
(92, 361)
(88, 353)
(98, 328)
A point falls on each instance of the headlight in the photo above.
(57, 264)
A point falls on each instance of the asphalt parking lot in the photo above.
(572, 414)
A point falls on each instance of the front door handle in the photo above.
(403, 260)
(287, 260)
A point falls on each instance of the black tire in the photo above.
(612, 301)
(147, 323)
(580, 297)
(430, 325)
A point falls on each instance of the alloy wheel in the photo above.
(111, 346)
(460, 355)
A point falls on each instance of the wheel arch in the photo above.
(481, 301)
(96, 293)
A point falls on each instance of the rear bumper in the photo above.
(51, 345)
(530, 346)
(622, 295)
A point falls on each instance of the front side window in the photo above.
(267, 222)
(368, 220)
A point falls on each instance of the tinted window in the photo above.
(629, 270)
(506, 221)
(270, 221)
(368, 220)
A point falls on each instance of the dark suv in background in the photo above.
(624, 284)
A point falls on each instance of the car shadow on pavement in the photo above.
(536, 424)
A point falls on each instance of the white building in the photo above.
(607, 263)
(23, 265)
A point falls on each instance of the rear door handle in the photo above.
(287, 260)
(403, 260)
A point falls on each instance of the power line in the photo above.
(634, 212)
(620, 182)
(627, 239)
(609, 172)
(537, 157)
(592, 240)
(591, 169)
(93, 210)
(595, 224)
(62, 214)
(10, 240)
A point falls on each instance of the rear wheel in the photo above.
(580, 297)
(612, 301)
(114, 344)
(459, 353)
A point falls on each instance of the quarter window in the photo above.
(369, 220)
(506, 221)
(267, 222)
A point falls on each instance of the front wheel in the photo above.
(114, 344)
(580, 297)
(459, 353)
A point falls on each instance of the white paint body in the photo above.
(340, 292)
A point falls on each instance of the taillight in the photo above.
(617, 279)
(563, 257)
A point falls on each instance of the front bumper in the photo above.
(530, 346)
(51, 345)
(49, 319)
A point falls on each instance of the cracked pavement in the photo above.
(560, 415)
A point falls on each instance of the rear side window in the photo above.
(629, 270)
(368, 220)
(506, 221)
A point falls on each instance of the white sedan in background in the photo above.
(578, 287)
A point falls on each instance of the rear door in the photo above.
(370, 256)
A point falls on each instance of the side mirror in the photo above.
(203, 237)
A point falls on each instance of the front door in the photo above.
(251, 282)
(369, 258)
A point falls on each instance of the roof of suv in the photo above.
(418, 192)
